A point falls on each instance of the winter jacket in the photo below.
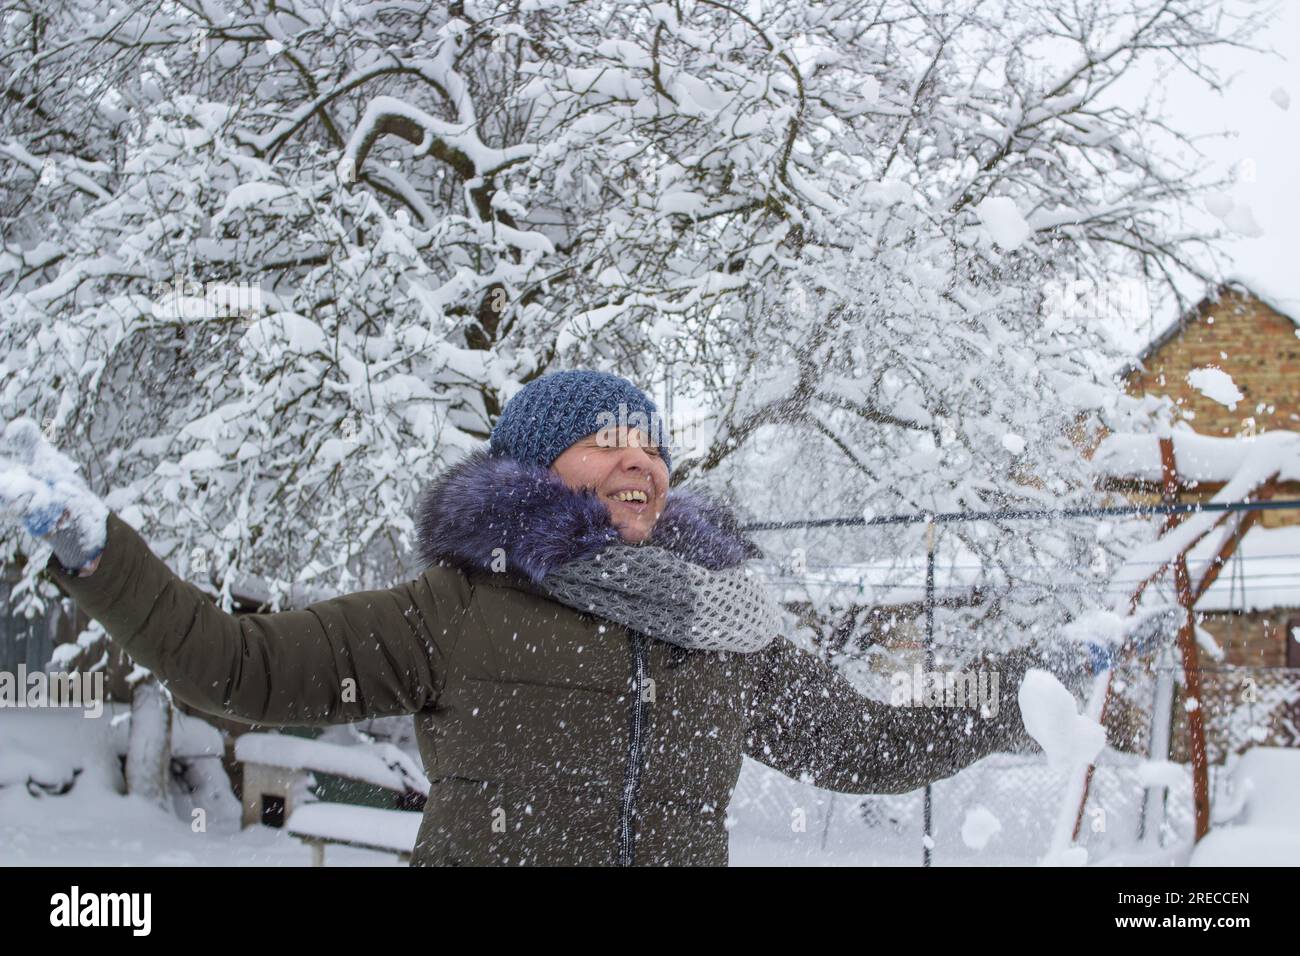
(549, 736)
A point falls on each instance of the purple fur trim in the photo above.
(486, 502)
(702, 529)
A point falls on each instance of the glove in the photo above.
(41, 488)
(1102, 657)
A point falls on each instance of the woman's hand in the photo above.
(1102, 656)
(41, 488)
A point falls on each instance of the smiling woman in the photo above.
(563, 421)
(629, 475)
(586, 653)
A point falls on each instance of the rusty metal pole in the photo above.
(1192, 701)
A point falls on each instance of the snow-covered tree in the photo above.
(269, 264)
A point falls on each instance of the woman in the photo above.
(585, 656)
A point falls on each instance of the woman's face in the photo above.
(617, 469)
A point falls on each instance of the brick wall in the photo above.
(1257, 346)
(1249, 340)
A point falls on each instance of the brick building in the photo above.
(1236, 331)
(1253, 610)
(1258, 345)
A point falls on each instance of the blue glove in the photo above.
(1102, 657)
(41, 488)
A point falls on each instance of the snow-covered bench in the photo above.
(277, 777)
(364, 828)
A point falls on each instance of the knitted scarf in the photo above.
(659, 593)
(686, 584)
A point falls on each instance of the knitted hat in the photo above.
(556, 410)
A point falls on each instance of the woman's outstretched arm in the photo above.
(368, 654)
(806, 720)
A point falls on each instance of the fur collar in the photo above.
(486, 502)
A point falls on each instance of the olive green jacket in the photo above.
(549, 736)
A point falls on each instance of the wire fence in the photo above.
(1128, 806)
(1130, 809)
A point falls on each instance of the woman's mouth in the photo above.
(634, 500)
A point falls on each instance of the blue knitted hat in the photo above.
(552, 412)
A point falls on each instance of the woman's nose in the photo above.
(638, 458)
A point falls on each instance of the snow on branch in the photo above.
(456, 144)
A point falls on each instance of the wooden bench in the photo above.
(278, 769)
(363, 828)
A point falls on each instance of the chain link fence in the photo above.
(1243, 707)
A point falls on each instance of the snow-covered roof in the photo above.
(1201, 458)
(1283, 302)
(1235, 286)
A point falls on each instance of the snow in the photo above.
(885, 830)
(1005, 225)
(1238, 217)
(366, 826)
(1279, 297)
(38, 483)
(1051, 717)
(97, 824)
(979, 827)
(1262, 575)
(1267, 830)
(21, 761)
(1248, 846)
(1241, 464)
(1161, 773)
(102, 827)
(285, 331)
(264, 197)
(461, 136)
(380, 764)
(1215, 384)
(1201, 458)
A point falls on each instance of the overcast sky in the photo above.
(1267, 140)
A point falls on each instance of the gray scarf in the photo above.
(659, 593)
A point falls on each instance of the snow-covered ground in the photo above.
(1263, 830)
(97, 824)
(97, 827)
(1000, 811)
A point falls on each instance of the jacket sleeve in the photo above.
(805, 719)
(368, 654)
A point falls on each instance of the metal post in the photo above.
(1155, 799)
(927, 838)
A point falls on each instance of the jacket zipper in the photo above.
(632, 779)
